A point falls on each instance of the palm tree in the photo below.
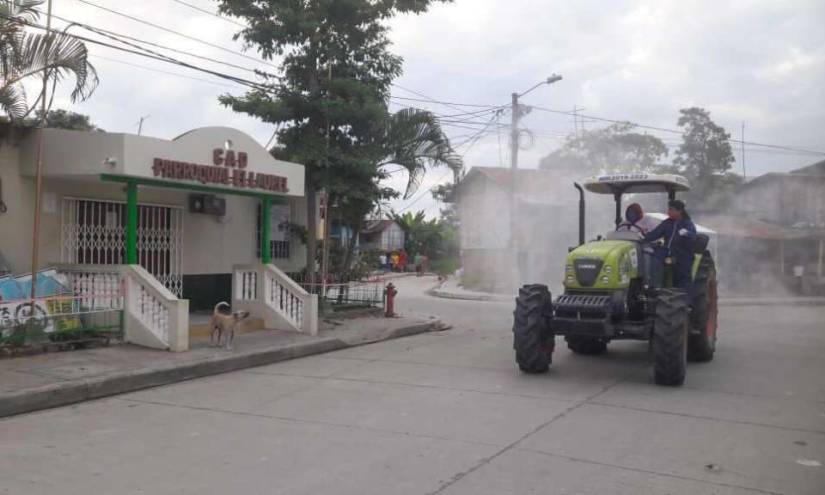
(410, 138)
(26, 55)
(413, 139)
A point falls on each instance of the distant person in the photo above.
(395, 259)
(637, 221)
(402, 261)
(418, 261)
(382, 261)
(678, 233)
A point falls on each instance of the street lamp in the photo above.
(514, 135)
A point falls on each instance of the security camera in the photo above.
(110, 161)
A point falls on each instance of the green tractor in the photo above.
(620, 287)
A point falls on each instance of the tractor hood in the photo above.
(601, 265)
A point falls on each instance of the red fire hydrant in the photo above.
(389, 300)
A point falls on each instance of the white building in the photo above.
(187, 210)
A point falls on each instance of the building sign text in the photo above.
(229, 170)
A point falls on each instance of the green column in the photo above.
(131, 223)
(266, 251)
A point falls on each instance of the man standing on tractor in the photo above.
(678, 233)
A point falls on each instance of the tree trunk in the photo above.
(314, 123)
(312, 227)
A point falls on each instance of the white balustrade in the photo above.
(268, 292)
(154, 317)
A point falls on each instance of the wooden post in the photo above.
(131, 223)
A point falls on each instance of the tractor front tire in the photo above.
(670, 332)
(703, 318)
(532, 337)
(586, 345)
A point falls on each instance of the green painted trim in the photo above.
(275, 198)
(266, 250)
(131, 223)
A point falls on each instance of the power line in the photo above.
(161, 71)
(172, 31)
(446, 103)
(143, 53)
(104, 32)
(213, 14)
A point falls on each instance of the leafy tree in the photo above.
(64, 119)
(433, 238)
(333, 83)
(443, 193)
(28, 56)
(612, 149)
(705, 156)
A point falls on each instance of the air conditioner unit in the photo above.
(207, 204)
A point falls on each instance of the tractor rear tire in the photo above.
(670, 331)
(586, 345)
(703, 318)
(533, 340)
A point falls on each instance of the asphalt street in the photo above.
(449, 413)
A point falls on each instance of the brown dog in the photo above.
(225, 323)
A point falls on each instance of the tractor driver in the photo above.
(678, 233)
(637, 221)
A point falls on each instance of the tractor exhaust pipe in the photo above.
(581, 212)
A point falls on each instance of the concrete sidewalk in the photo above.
(450, 289)
(42, 381)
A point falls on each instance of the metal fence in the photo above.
(345, 289)
(82, 311)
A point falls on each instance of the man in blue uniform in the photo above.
(678, 233)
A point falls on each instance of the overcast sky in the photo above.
(757, 62)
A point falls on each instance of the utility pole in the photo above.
(38, 188)
(140, 124)
(514, 111)
(742, 143)
(575, 120)
(516, 114)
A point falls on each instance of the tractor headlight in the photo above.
(570, 278)
(608, 269)
(605, 279)
(568, 268)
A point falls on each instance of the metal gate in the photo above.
(93, 232)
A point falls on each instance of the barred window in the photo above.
(279, 234)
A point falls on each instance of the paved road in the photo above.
(448, 413)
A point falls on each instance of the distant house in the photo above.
(774, 234)
(383, 235)
(793, 199)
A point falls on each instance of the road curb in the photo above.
(66, 393)
(437, 291)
